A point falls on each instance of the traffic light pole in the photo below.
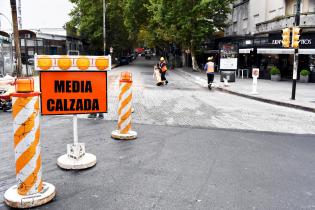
(296, 53)
(295, 65)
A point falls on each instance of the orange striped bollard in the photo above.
(124, 131)
(30, 190)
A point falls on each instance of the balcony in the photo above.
(278, 23)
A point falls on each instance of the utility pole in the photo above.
(19, 14)
(104, 25)
(296, 50)
(16, 38)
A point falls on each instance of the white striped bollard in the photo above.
(30, 190)
(124, 131)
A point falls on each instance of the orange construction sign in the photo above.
(69, 92)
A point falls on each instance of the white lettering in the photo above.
(306, 41)
(276, 42)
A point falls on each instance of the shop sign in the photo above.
(228, 63)
(228, 56)
(255, 72)
(302, 42)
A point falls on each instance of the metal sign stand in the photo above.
(255, 75)
(76, 157)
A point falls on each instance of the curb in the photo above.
(279, 103)
(265, 100)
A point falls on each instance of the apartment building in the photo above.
(255, 26)
(39, 41)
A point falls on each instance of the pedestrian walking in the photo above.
(209, 67)
(163, 70)
(157, 74)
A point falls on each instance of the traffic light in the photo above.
(295, 37)
(286, 37)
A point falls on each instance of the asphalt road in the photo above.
(186, 102)
(182, 159)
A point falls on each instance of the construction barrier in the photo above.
(73, 85)
(30, 191)
(124, 131)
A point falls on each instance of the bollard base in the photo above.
(13, 199)
(86, 161)
(129, 136)
(254, 93)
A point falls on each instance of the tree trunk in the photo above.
(193, 57)
(16, 39)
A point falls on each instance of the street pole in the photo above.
(296, 51)
(104, 25)
(16, 38)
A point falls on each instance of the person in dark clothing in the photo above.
(163, 68)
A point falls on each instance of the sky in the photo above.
(38, 13)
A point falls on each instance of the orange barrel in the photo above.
(24, 85)
(27, 142)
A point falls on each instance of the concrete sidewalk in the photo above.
(274, 92)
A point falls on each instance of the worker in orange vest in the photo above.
(209, 67)
(163, 68)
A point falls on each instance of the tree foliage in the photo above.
(87, 22)
(188, 22)
(150, 22)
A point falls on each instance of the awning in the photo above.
(307, 51)
(245, 51)
(274, 51)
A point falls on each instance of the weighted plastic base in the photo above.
(129, 136)
(86, 161)
(15, 200)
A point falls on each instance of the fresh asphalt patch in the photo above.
(170, 167)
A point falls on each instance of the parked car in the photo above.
(30, 61)
(124, 60)
(134, 56)
(130, 58)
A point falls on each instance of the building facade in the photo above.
(256, 27)
(6, 54)
(41, 42)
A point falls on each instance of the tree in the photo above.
(136, 17)
(188, 22)
(87, 22)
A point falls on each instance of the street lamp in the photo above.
(104, 25)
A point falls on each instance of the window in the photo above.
(234, 27)
(234, 15)
(245, 23)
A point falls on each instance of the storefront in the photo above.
(266, 52)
